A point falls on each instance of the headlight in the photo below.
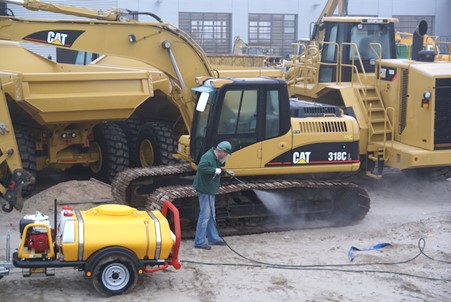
(426, 95)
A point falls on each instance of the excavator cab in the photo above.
(242, 111)
(348, 38)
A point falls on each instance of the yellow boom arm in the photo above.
(158, 44)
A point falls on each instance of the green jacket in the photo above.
(204, 181)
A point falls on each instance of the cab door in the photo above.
(257, 128)
(248, 114)
(237, 123)
(276, 139)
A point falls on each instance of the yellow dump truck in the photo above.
(60, 115)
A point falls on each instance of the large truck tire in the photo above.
(157, 142)
(131, 128)
(27, 153)
(114, 275)
(110, 144)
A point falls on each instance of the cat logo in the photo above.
(300, 158)
(59, 38)
(56, 38)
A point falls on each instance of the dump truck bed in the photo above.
(59, 93)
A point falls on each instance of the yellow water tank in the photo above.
(146, 233)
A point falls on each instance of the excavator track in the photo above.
(252, 206)
(269, 205)
(126, 186)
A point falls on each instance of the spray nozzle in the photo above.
(230, 173)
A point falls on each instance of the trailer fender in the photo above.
(106, 252)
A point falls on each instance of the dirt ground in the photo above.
(403, 212)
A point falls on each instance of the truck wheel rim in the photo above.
(97, 165)
(146, 154)
(115, 276)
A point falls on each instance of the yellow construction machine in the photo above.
(404, 42)
(270, 54)
(275, 139)
(244, 55)
(402, 106)
(60, 115)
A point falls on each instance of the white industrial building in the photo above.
(214, 24)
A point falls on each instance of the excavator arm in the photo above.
(158, 44)
(110, 15)
(328, 10)
(238, 43)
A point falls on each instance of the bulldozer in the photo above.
(402, 105)
(275, 139)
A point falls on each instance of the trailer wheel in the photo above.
(114, 275)
(110, 146)
(157, 142)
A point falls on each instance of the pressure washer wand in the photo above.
(237, 179)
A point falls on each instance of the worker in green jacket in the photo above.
(206, 183)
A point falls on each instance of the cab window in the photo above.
(239, 112)
(272, 124)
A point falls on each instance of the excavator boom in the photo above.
(157, 44)
(109, 15)
(329, 9)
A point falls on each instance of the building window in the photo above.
(275, 31)
(210, 30)
(260, 31)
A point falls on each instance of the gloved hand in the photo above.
(218, 171)
(229, 172)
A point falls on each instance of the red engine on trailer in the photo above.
(36, 237)
(37, 242)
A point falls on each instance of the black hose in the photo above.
(136, 13)
(333, 267)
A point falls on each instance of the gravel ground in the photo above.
(403, 212)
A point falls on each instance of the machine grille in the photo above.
(442, 133)
(322, 126)
(403, 104)
(308, 109)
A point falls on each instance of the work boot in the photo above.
(204, 247)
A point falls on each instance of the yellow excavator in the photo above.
(242, 48)
(275, 139)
